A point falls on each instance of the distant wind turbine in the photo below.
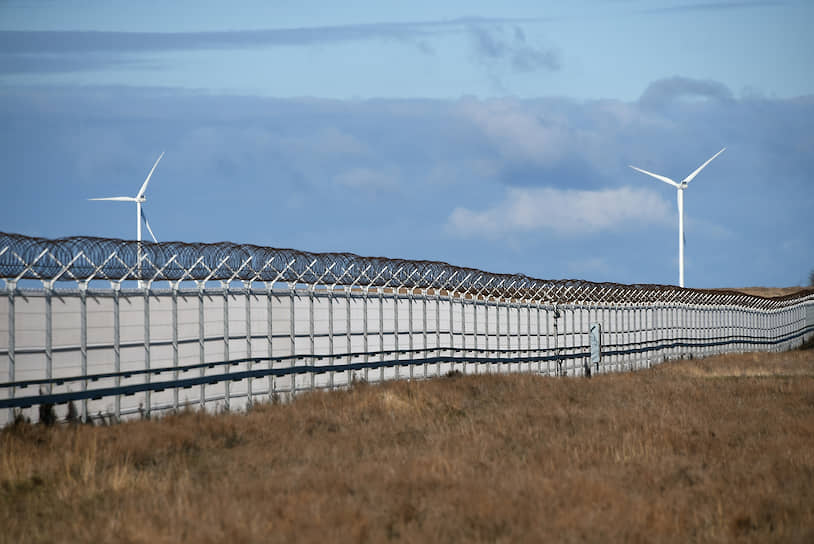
(139, 199)
(680, 195)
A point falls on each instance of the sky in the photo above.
(484, 135)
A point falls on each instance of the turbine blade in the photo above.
(657, 176)
(147, 224)
(117, 198)
(692, 176)
(146, 181)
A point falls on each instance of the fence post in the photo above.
(396, 331)
(438, 331)
(201, 339)
(555, 315)
(620, 337)
(49, 334)
(518, 353)
(227, 401)
(83, 342)
(497, 335)
(528, 335)
(272, 390)
(366, 347)
(425, 332)
(174, 286)
(410, 342)
(348, 330)
(311, 346)
(583, 333)
(476, 335)
(640, 335)
(11, 286)
(292, 338)
(486, 330)
(381, 333)
(247, 285)
(539, 339)
(462, 298)
(331, 335)
(117, 358)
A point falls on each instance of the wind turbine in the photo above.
(680, 196)
(139, 199)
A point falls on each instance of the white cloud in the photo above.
(563, 211)
(519, 133)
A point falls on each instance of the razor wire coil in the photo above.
(84, 258)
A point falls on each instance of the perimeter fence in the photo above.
(117, 328)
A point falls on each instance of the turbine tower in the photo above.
(139, 199)
(680, 196)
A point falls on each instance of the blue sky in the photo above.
(482, 135)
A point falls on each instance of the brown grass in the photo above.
(714, 450)
(769, 292)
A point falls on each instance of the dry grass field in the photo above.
(712, 450)
(769, 292)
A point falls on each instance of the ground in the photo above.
(709, 450)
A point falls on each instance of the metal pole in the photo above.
(381, 333)
(451, 331)
(539, 339)
(117, 358)
(11, 285)
(582, 334)
(348, 330)
(49, 358)
(497, 334)
(247, 284)
(576, 336)
(620, 359)
(558, 368)
(291, 336)
(438, 330)
(410, 329)
(201, 339)
(425, 332)
(227, 404)
(270, 337)
(175, 342)
(396, 329)
(639, 330)
(331, 335)
(547, 343)
(83, 342)
(528, 335)
(518, 336)
(476, 336)
(364, 331)
(311, 346)
(486, 329)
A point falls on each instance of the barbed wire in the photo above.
(84, 258)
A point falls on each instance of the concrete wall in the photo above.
(48, 334)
